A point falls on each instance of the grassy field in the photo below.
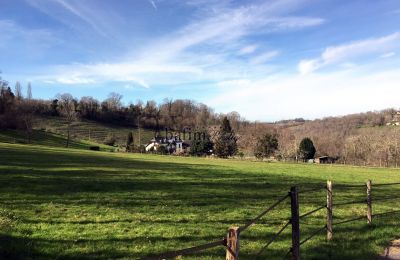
(92, 130)
(39, 137)
(76, 204)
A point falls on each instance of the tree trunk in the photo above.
(68, 130)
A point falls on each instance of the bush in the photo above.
(94, 148)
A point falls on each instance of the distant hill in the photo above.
(371, 138)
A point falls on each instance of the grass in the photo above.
(39, 137)
(76, 204)
(92, 130)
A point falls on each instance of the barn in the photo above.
(324, 159)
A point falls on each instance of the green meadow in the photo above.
(58, 203)
(43, 138)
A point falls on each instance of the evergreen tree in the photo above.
(306, 149)
(225, 144)
(266, 146)
(129, 142)
(201, 147)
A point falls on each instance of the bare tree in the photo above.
(114, 101)
(67, 106)
(18, 91)
(25, 113)
(29, 91)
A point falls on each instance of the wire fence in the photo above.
(232, 240)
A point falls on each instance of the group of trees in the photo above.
(376, 147)
(16, 112)
(172, 114)
(361, 139)
(268, 145)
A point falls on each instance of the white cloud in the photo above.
(346, 52)
(72, 80)
(315, 95)
(80, 74)
(264, 57)
(308, 66)
(388, 54)
(248, 49)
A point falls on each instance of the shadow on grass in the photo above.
(163, 193)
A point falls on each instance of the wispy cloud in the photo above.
(179, 57)
(388, 55)
(346, 52)
(31, 42)
(264, 57)
(153, 4)
(248, 49)
(86, 11)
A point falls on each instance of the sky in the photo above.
(268, 60)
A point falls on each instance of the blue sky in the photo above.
(267, 60)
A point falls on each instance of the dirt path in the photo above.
(393, 251)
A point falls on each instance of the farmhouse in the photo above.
(172, 145)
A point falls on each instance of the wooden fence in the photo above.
(232, 240)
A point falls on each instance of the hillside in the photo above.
(43, 138)
(92, 131)
(370, 138)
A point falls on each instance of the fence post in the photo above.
(295, 221)
(232, 244)
(329, 212)
(369, 202)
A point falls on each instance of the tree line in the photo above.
(360, 139)
(18, 110)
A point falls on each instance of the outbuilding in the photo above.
(324, 159)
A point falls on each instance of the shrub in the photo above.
(94, 148)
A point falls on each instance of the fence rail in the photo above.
(232, 240)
